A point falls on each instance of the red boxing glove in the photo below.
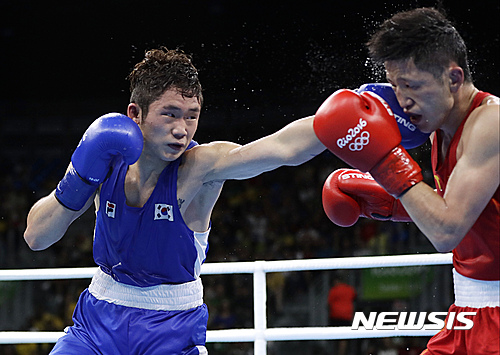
(349, 194)
(342, 209)
(361, 130)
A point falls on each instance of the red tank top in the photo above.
(477, 255)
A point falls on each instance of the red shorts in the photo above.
(482, 339)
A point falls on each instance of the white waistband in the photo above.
(475, 293)
(159, 298)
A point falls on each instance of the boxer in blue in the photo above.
(154, 189)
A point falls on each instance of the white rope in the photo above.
(249, 267)
(260, 334)
(244, 335)
(29, 337)
(330, 263)
(308, 333)
(47, 274)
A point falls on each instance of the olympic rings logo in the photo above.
(359, 142)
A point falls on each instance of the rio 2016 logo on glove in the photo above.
(360, 141)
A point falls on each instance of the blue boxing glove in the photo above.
(411, 136)
(112, 136)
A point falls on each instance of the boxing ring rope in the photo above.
(260, 334)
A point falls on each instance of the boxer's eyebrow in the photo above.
(177, 108)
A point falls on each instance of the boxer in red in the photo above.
(426, 63)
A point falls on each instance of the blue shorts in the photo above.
(101, 327)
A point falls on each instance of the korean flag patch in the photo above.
(110, 209)
(164, 211)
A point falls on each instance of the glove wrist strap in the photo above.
(73, 192)
(397, 172)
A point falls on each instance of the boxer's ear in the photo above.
(456, 78)
(134, 112)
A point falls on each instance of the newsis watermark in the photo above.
(413, 320)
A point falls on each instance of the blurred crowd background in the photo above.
(262, 65)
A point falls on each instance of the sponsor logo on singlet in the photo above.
(438, 182)
(110, 209)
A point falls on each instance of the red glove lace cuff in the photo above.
(397, 172)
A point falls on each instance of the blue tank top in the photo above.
(150, 245)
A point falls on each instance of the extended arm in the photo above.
(294, 144)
